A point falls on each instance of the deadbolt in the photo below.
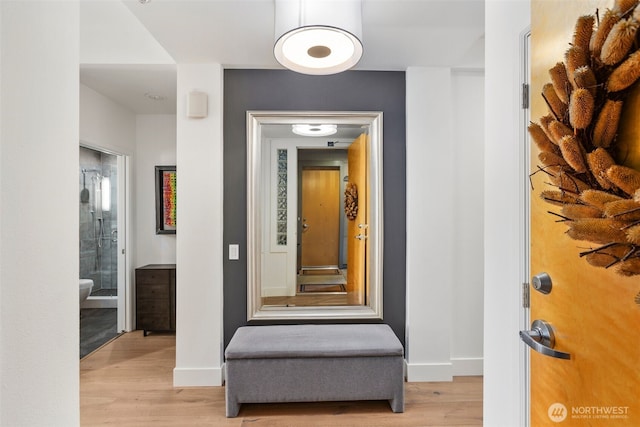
(542, 283)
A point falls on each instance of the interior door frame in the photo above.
(333, 168)
(125, 301)
(525, 221)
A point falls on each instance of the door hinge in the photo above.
(525, 96)
(526, 298)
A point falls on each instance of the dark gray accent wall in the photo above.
(286, 90)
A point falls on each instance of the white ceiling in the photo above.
(129, 49)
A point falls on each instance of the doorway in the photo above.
(584, 346)
(101, 260)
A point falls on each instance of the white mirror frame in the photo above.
(255, 121)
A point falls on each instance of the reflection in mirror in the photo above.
(314, 220)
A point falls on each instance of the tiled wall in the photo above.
(98, 251)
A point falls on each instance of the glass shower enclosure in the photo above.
(99, 222)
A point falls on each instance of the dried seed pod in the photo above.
(558, 198)
(544, 123)
(598, 198)
(597, 230)
(626, 179)
(608, 20)
(623, 210)
(623, 6)
(629, 267)
(560, 82)
(633, 234)
(551, 159)
(575, 57)
(625, 74)
(541, 139)
(573, 153)
(558, 130)
(558, 108)
(599, 161)
(577, 211)
(581, 108)
(583, 31)
(607, 256)
(636, 195)
(606, 127)
(567, 182)
(586, 79)
(619, 41)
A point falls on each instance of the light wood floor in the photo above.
(128, 382)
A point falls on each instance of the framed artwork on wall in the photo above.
(165, 199)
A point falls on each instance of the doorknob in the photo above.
(541, 339)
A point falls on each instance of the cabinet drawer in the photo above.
(152, 276)
(160, 306)
(152, 290)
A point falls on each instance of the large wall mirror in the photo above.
(314, 220)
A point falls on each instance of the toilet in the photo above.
(85, 289)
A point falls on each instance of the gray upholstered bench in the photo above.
(308, 363)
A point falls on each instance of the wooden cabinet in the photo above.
(156, 297)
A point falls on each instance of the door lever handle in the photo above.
(541, 339)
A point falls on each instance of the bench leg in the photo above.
(233, 407)
(397, 404)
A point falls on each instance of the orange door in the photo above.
(593, 311)
(320, 217)
(357, 231)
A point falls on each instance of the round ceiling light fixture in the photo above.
(314, 129)
(154, 97)
(318, 37)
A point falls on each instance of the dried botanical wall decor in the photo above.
(351, 201)
(597, 196)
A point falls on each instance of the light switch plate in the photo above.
(234, 252)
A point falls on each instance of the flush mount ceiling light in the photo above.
(154, 97)
(314, 130)
(318, 36)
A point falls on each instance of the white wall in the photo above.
(104, 124)
(430, 224)
(199, 236)
(504, 188)
(468, 218)
(155, 146)
(39, 319)
(444, 287)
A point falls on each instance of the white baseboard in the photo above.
(197, 377)
(275, 292)
(100, 302)
(467, 366)
(428, 372)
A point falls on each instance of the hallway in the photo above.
(128, 382)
